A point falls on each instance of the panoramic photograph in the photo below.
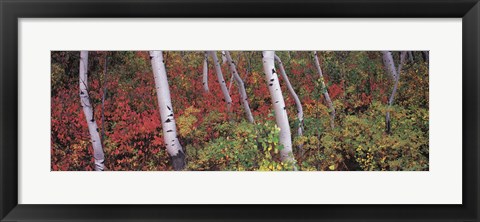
(239, 110)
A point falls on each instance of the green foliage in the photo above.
(237, 151)
(241, 146)
(360, 142)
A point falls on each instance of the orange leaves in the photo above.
(157, 141)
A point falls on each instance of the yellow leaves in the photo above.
(331, 167)
(359, 148)
(307, 142)
(276, 151)
(383, 159)
(425, 117)
(365, 158)
(351, 89)
(191, 110)
(186, 121)
(57, 73)
(317, 107)
(274, 166)
(313, 140)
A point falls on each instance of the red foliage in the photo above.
(336, 90)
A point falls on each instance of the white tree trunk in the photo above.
(224, 58)
(325, 94)
(221, 81)
(389, 63)
(278, 105)
(169, 128)
(88, 111)
(395, 85)
(240, 85)
(293, 94)
(205, 72)
(403, 56)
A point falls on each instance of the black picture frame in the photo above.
(11, 11)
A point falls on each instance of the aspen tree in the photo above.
(221, 81)
(325, 90)
(88, 111)
(298, 104)
(169, 128)
(278, 102)
(224, 58)
(205, 72)
(240, 85)
(395, 73)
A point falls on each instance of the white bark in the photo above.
(205, 72)
(88, 111)
(169, 128)
(325, 94)
(221, 81)
(293, 94)
(241, 87)
(389, 64)
(224, 58)
(395, 85)
(278, 105)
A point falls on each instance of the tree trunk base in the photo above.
(178, 161)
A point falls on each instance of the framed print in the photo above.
(224, 110)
